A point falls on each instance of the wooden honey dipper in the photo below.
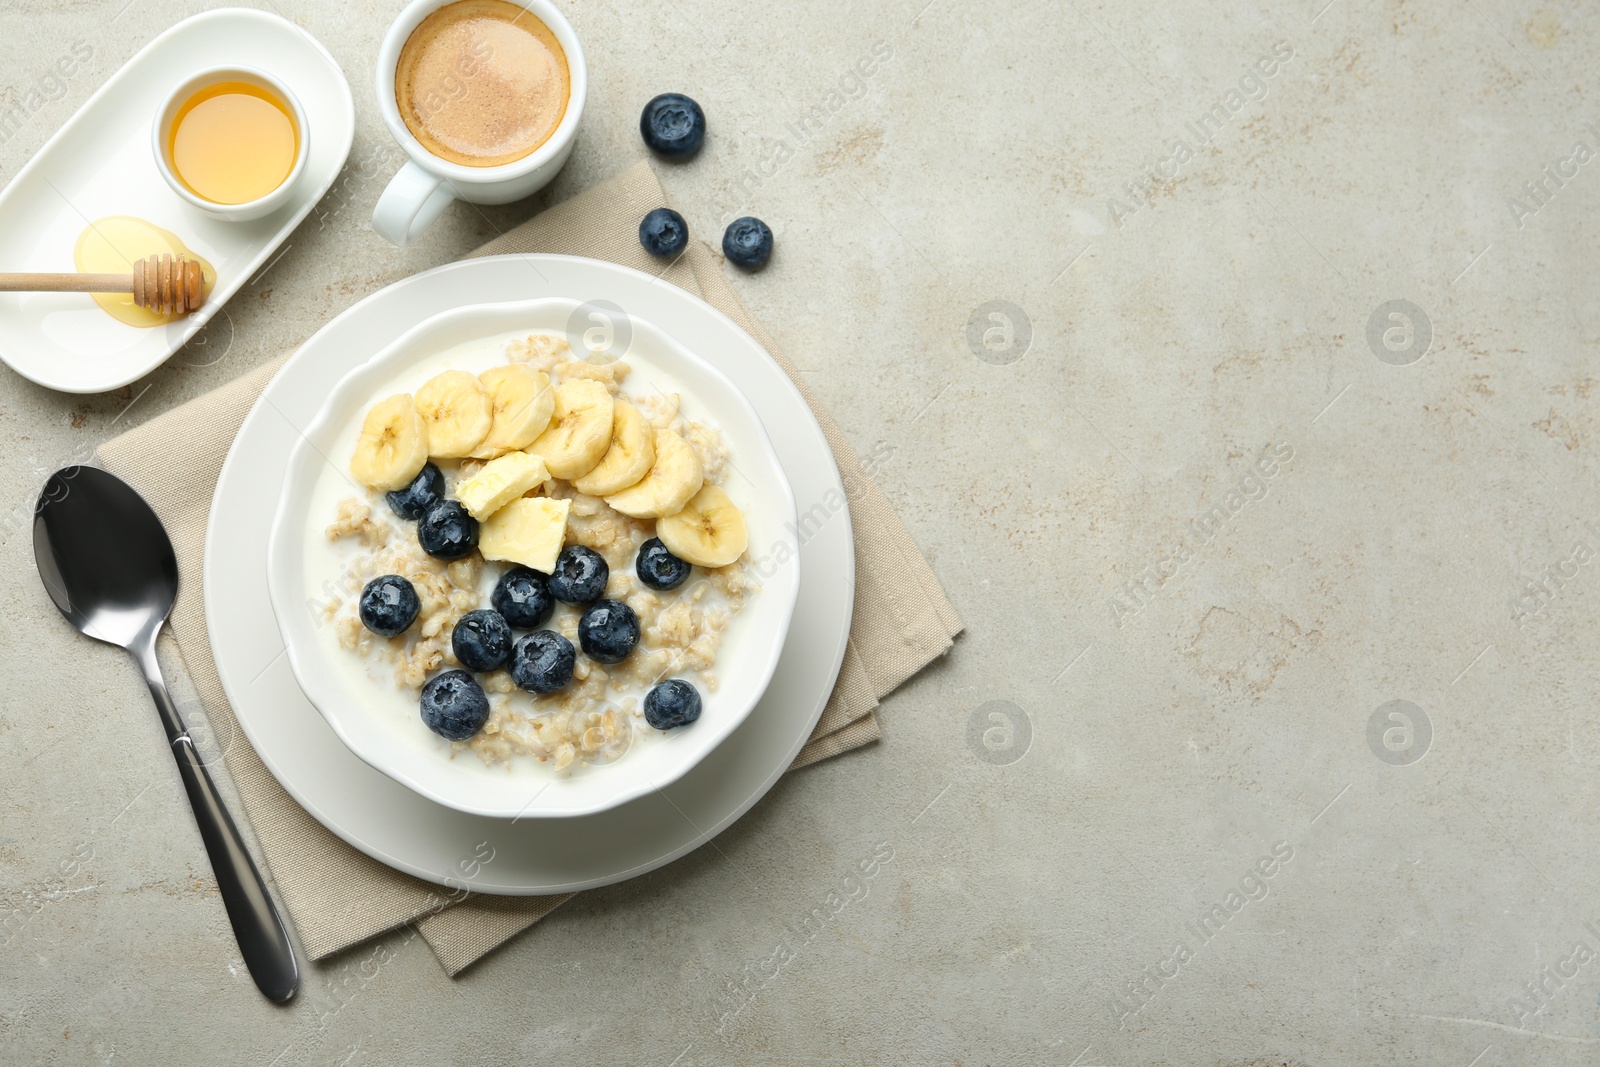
(165, 284)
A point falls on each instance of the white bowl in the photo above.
(379, 721)
(162, 128)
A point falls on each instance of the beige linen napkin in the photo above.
(338, 896)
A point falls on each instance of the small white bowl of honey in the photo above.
(232, 142)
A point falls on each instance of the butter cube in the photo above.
(529, 531)
(500, 482)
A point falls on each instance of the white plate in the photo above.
(388, 821)
(99, 164)
(378, 720)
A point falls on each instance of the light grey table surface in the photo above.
(1206, 508)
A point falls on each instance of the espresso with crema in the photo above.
(482, 83)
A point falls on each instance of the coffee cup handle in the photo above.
(413, 199)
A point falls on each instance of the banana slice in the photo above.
(674, 477)
(500, 482)
(580, 428)
(708, 532)
(393, 445)
(632, 451)
(522, 403)
(457, 411)
(528, 531)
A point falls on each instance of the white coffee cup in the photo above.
(427, 184)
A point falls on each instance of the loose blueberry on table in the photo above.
(672, 703)
(481, 640)
(658, 568)
(542, 662)
(608, 631)
(580, 575)
(454, 705)
(664, 233)
(425, 490)
(447, 531)
(673, 125)
(747, 243)
(389, 605)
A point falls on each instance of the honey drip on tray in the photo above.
(113, 245)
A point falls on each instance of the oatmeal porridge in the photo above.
(542, 555)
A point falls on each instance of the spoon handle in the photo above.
(257, 926)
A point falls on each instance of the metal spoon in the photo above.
(108, 564)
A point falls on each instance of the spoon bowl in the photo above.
(108, 565)
(103, 555)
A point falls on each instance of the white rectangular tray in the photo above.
(100, 164)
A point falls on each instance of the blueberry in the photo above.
(673, 125)
(453, 705)
(658, 568)
(425, 490)
(608, 631)
(389, 605)
(542, 662)
(522, 597)
(446, 531)
(481, 640)
(747, 243)
(664, 233)
(580, 576)
(672, 703)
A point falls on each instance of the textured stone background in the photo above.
(1182, 695)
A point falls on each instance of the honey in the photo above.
(113, 245)
(233, 142)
